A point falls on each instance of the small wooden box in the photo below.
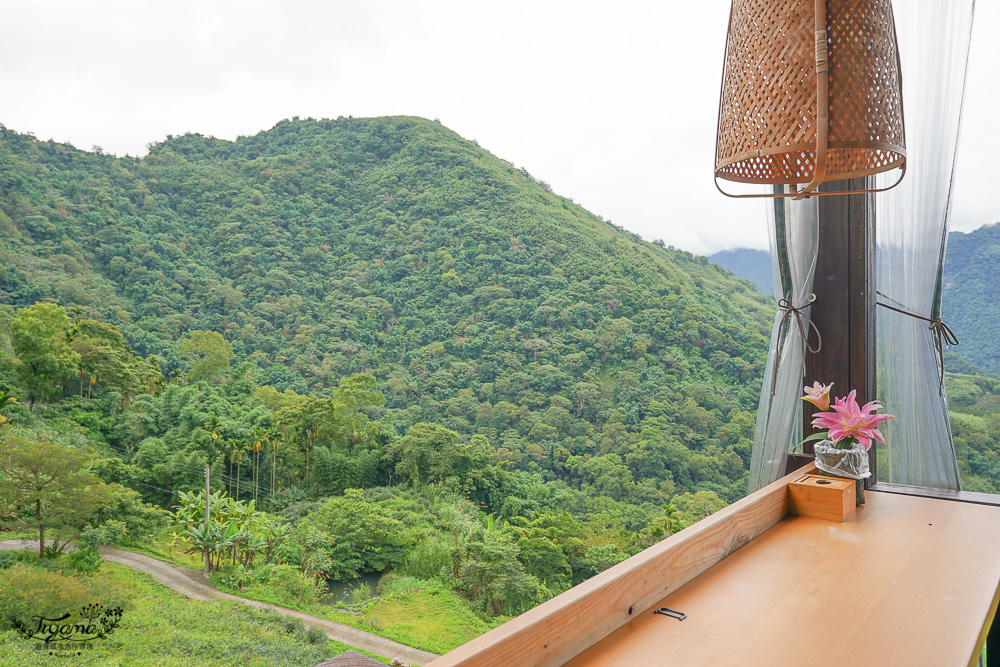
(819, 497)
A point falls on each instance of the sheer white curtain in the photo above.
(912, 228)
(794, 232)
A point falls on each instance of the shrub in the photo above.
(291, 584)
(279, 584)
(398, 587)
(54, 550)
(27, 591)
(295, 626)
(361, 594)
(109, 533)
(426, 560)
(128, 518)
(11, 558)
(86, 561)
(241, 578)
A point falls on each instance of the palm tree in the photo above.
(234, 450)
(208, 540)
(258, 435)
(274, 458)
(213, 426)
(240, 447)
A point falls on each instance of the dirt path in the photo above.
(194, 584)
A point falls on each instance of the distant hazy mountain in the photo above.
(752, 265)
(971, 281)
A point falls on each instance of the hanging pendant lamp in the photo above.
(811, 93)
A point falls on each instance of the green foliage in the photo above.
(519, 386)
(39, 337)
(426, 560)
(693, 507)
(974, 404)
(160, 627)
(486, 569)
(424, 613)
(210, 353)
(280, 584)
(432, 454)
(27, 591)
(86, 560)
(11, 558)
(236, 531)
(475, 298)
(47, 486)
(351, 535)
(968, 303)
(105, 360)
(110, 532)
(126, 518)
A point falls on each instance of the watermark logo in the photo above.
(65, 635)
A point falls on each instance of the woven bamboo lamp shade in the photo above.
(811, 93)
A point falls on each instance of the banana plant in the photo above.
(253, 545)
(207, 540)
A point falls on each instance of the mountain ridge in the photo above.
(969, 281)
(479, 299)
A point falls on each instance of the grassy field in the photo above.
(19, 535)
(161, 628)
(426, 611)
(422, 614)
(164, 548)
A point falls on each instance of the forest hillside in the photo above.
(479, 299)
(970, 280)
(398, 355)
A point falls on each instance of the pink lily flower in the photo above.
(847, 420)
(818, 395)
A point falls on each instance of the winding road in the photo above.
(193, 583)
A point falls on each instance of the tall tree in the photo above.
(355, 396)
(210, 353)
(106, 358)
(47, 486)
(40, 337)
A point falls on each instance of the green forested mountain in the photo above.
(974, 410)
(479, 299)
(523, 393)
(971, 281)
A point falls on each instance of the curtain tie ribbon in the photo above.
(940, 331)
(788, 311)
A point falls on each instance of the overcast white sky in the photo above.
(613, 104)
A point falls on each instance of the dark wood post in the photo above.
(993, 642)
(844, 310)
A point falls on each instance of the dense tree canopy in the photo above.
(471, 295)
(415, 354)
(48, 486)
